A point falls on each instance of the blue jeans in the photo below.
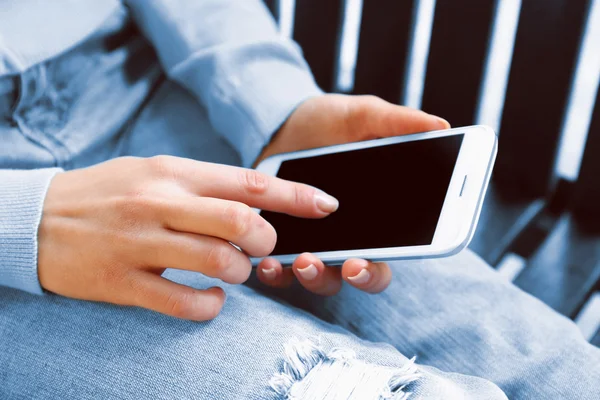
(474, 335)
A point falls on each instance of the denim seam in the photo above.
(57, 149)
(11, 55)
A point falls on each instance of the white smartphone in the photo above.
(412, 196)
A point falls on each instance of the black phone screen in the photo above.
(390, 196)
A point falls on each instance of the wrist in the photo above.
(289, 136)
(21, 203)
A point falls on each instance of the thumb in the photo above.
(378, 118)
(166, 297)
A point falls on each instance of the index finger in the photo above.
(257, 189)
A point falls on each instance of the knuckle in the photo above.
(238, 218)
(137, 293)
(360, 116)
(360, 113)
(110, 275)
(253, 181)
(178, 304)
(220, 257)
(370, 99)
(160, 166)
(143, 202)
(125, 163)
(138, 205)
(303, 195)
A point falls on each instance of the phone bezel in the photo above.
(459, 214)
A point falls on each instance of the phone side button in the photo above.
(462, 189)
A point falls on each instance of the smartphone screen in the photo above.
(390, 196)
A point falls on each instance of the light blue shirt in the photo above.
(227, 53)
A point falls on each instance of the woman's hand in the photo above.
(324, 121)
(109, 231)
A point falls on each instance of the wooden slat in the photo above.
(383, 48)
(565, 270)
(502, 219)
(317, 27)
(587, 189)
(273, 6)
(546, 49)
(457, 54)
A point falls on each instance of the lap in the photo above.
(55, 347)
(458, 314)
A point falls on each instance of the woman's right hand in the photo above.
(109, 231)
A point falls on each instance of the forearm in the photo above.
(229, 54)
(22, 196)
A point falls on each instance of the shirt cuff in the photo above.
(255, 89)
(22, 194)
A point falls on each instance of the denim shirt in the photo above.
(227, 53)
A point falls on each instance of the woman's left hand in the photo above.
(335, 119)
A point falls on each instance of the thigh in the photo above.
(57, 348)
(458, 314)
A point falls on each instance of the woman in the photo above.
(80, 221)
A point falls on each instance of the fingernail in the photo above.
(325, 202)
(309, 273)
(269, 273)
(361, 278)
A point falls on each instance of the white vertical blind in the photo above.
(581, 102)
(588, 319)
(497, 69)
(349, 45)
(419, 53)
(286, 17)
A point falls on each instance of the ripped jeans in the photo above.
(474, 335)
(466, 326)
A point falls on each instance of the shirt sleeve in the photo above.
(22, 196)
(230, 55)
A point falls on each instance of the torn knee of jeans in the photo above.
(310, 373)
